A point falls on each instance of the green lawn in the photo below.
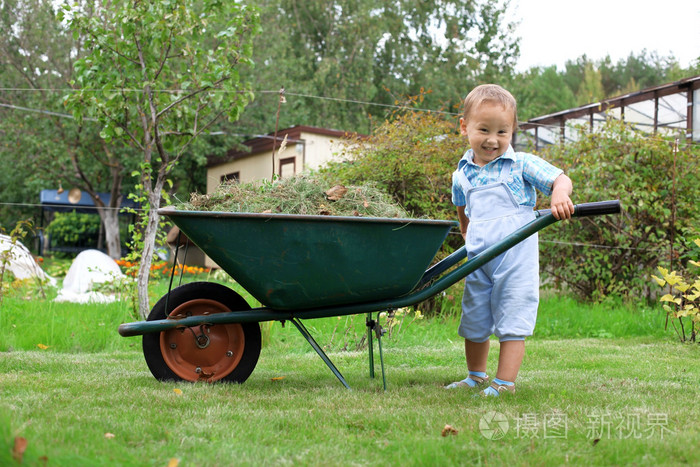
(626, 396)
(585, 401)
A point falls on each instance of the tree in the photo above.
(591, 88)
(157, 75)
(36, 71)
(541, 92)
(636, 72)
(350, 52)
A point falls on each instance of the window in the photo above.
(232, 177)
(287, 167)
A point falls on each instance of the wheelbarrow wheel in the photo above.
(220, 352)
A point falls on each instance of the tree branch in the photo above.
(165, 57)
(199, 132)
(192, 94)
(111, 49)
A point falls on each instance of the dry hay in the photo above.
(300, 194)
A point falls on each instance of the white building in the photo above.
(296, 149)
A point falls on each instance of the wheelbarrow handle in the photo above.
(597, 208)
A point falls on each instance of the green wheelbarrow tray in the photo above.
(301, 267)
(291, 262)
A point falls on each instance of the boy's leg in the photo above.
(475, 327)
(509, 359)
(516, 296)
(476, 353)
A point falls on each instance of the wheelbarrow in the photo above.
(301, 267)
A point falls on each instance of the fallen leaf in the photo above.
(19, 448)
(336, 193)
(267, 211)
(173, 462)
(449, 430)
(177, 391)
(109, 435)
(277, 378)
(42, 346)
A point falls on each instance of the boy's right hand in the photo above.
(463, 221)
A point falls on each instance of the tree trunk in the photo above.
(110, 221)
(149, 241)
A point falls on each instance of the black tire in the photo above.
(167, 365)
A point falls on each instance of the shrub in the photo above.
(73, 229)
(658, 188)
(683, 299)
(411, 158)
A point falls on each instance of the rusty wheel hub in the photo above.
(204, 352)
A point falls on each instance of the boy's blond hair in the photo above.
(491, 93)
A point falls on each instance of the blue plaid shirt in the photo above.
(526, 173)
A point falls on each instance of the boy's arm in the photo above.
(463, 221)
(561, 205)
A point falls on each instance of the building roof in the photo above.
(264, 143)
(61, 201)
(668, 106)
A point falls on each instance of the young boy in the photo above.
(494, 191)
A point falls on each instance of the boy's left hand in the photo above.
(562, 208)
(561, 205)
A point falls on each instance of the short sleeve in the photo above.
(540, 173)
(458, 196)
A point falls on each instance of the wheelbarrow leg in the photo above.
(370, 323)
(304, 332)
(373, 327)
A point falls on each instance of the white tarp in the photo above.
(90, 267)
(20, 261)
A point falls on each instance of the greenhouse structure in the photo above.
(670, 109)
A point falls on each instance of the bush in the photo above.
(683, 298)
(72, 229)
(658, 188)
(411, 158)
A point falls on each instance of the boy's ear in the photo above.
(462, 126)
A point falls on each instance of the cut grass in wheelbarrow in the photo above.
(300, 194)
(300, 267)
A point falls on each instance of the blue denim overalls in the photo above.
(502, 296)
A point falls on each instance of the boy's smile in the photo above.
(489, 129)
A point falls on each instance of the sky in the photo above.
(554, 31)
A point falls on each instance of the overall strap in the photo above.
(463, 180)
(502, 177)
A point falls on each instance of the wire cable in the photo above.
(554, 128)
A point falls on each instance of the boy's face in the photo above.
(489, 129)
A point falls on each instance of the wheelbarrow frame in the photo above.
(435, 280)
